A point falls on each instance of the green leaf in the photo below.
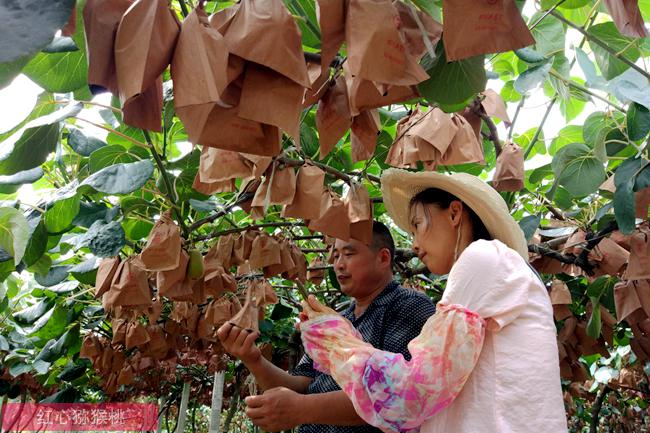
(52, 324)
(529, 224)
(638, 121)
(55, 275)
(529, 55)
(83, 144)
(10, 184)
(572, 106)
(62, 72)
(563, 68)
(114, 154)
(578, 170)
(532, 78)
(37, 243)
(549, 34)
(105, 240)
(119, 178)
(609, 65)
(28, 149)
(29, 26)
(61, 44)
(30, 314)
(567, 4)
(453, 82)
(10, 70)
(624, 204)
(567, 135)
(60, 216)
(14, 232)
(589, 69)
(594, 323)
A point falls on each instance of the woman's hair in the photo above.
(443, 199)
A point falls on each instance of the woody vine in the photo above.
(211, 184)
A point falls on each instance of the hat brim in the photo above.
(398, 187)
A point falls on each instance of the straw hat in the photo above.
(399, 186)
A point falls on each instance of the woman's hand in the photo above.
(312, 309)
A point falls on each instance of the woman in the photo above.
(487, 361)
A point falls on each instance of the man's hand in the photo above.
(275, 410)
(240, 343)
(312, 309)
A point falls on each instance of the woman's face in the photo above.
(435, 233)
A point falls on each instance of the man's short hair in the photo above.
(381, 238)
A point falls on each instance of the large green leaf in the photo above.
(453, 82)
(37, 242)
(114, 154)
(567, 4)
(29, 25)
(83, 144)
(14, 232)
(532, 78)
(119, 178)
(30, 314)
(61, 72)
(60, 216)
(549, 34)
(624, 204)
(578, 170)
(28, 149)
(638, 121)
(105, 240)
(609, 65)
(10, 70)
(10, 184)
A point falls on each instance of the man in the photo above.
(387, 316)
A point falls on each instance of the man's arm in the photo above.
(240, 343)
(282, 409)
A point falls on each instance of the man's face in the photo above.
(357, 267)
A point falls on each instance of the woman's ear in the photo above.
(456, 212)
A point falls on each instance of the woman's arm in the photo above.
(387, 391)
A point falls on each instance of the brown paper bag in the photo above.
(638, 266)
(610, 257)
(173, 284)
(225, 247)
(286, 261)
(626, 299)
(265, 251)
(404, 152)
(216, 126)
(157, 346)
(494, 106)
(627, 17)
(435, 128)
(413, 35)
(101, 18)
(560, 299)
(464, 148)
(642, 288)
(91, 347)
(220, 165)
(334, 219)
(199, 67)
(331, 17)
(299, 272)
(105, 274)
(126, 376)
(247, 317)
(376, 49)
(143, 110)
(259, 163)
(209, 188)
(163, 249)
(359, 212)
(283, 186)
(316, 276)
(136, 335)
(130, 286)
(333, 117)
(509, 173)
(144, 44)
(309, 189)
(154, 311)
(264, 32)
(271, 98)
(363, 94)
(219, 311)
(119, 327)
(318, 77)
(243, 245)
(641, 203)
(471, 28)
(363, 135)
